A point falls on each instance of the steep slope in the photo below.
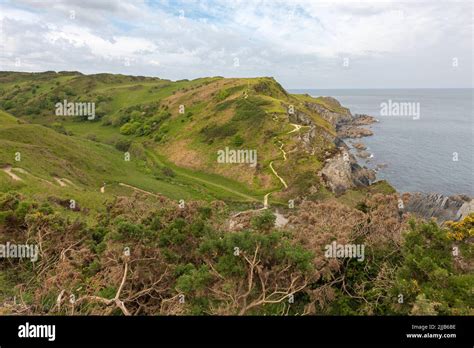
(179, 128)
(44, 163)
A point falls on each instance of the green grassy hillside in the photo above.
(46, 163)
(172, 130)
(154, 143)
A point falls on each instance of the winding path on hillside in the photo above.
(189, 176)
(139, 190)
(265, 200)
(281, 149)
(248, 197)
(8, 170)
(297, 127)
(278, 176)
(207, 182)
(61, 182)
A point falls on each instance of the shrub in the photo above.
(122, 144)
(91, 136)
(215, 132)
(168, 171)
(130, 128)
(238, 141)
(264, 221)
(222, 94)
(130, 230)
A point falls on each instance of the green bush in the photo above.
(238, 141)
(123, 144)
(211, 132)
(168, 171)
(264, 221)
(130, 128)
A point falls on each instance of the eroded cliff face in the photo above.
(435, 205)
(334, 118)
(301, 118)
(346, 124)
(307, 137)
(341, 172)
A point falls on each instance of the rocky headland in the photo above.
(441, 207)
(342, 171)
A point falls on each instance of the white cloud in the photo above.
(302, 43)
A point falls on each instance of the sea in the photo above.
(424, 140)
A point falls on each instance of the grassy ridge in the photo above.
(173, 131)
(46, 155)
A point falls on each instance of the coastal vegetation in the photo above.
(133, 214)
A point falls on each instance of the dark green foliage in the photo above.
(427, 277)
(224, 105)
(211, 132)
(238, 141)
(128, 230)
(192, 280)
(362, 206)
(122, 144)
(274, 248)
(167, 171)
(250, 111)
(92, 268)
(201, 259)
(264, 221)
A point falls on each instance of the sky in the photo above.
(302, 43)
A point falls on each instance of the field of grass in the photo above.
(221, 187)
(173, 152)
(45, 155)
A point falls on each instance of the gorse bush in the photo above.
(186, 261)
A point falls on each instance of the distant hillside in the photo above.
(174, 131)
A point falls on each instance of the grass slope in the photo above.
(174, 130)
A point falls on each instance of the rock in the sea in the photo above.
(360, 146)
(363, 154)
(439, 206)
(350, 131)
(363, 120)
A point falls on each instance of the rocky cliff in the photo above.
(342, 172)
(438, 206)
